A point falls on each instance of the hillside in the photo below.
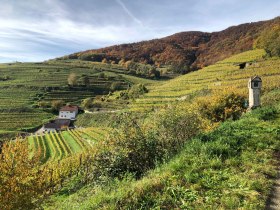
(145, 142)
(193, 49)
(221, 76)
(29, 89)
(228, 167)
(186, 143)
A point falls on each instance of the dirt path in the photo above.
(101, 111)
(273, 202)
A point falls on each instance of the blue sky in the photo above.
(37, 30)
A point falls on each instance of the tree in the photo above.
(21, 179)
(72, 79)
(269, 40)
(153, 72)
(130, 65)
(179, 68)
(104, 60)
(57, 104)
(122, 62)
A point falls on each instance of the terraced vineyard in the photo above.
(58, 145)
(27, 89)
(215, 77)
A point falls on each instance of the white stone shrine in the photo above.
(254, 85)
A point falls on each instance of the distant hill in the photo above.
(194, 49)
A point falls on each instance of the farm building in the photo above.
(57, 125)
(68, 112)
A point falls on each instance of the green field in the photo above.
(58, 145)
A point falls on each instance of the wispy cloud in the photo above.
(129, 12)
(38, 30)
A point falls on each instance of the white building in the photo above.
(68, 112)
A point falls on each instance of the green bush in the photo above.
(137, 146)
(175, 125)
(132, 93)
(101, 75)
(130, 150)
(136, 90)
(116, 86)
(267, 113)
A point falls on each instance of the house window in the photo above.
(71, 112)
(256, 84)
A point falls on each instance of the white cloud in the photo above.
(35, 30)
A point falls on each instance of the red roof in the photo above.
(69, 108)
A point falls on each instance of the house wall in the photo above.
(49, 130)
(68, 114)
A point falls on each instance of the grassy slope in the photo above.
(228, 168)
(222, 75)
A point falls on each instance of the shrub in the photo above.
(101, 75)
(131, 149)
(175, 125)
(85, 80)
(222, 106)
(43, 104)
(87, 103)
(116, 86)
(138, 145)
(92, 57)
(271, 98)
(57, 104)
(267, 113)
(179, 68)
(104, 60)
(136, 90)
(5, 78)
